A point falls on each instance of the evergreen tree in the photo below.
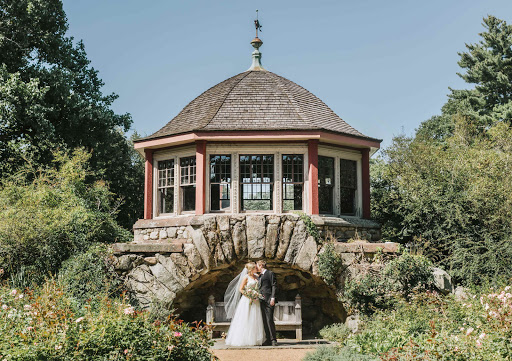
(487, 65)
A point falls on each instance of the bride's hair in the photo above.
(250, 266)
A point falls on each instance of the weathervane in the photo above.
(257, 24)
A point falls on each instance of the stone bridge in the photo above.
(180, 261)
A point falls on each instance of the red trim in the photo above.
(365, 164)
(313, 176)
(200, 177)
(256, 136)
(148, 185)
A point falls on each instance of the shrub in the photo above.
(329, 353)
(377, 287)
(329, 264)
(408, 272)
(367, 293)
(86, 275)
(337, 332)
(44, 325)
(53, 216)
(432, 327)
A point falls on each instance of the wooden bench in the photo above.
(287, 316)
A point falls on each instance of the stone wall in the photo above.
(180, 261)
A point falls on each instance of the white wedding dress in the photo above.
(246, 327)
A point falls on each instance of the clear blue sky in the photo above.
(383, 66)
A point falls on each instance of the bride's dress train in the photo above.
(246, 327)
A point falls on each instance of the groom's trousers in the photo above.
(268, 321)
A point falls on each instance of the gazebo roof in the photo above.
(256, 100)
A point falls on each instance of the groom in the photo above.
(268, 284)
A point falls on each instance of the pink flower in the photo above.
(478, 343)
(468, 332)
(177, 334)
(27, 307)
(58, 347)
(482, 336)
(5, 307)
(170, 347)
(129, 310)
(14, 292)
(79, 319)
(126, 351)
(30, 328)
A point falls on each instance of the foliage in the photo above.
(329, 264)
(43, 325)
(377, 286)
(448, 190)
(329, 353)
(432, 327)
(409, 272)
(86, 275)
(46, 220)
(368, 292)
(50, 97)
(337, 332)
(311, 227)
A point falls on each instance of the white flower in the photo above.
(14, 292)
(5, 307)
(79, 319)
(482, 336)
(468, 332)
(129, 310)
(507, 288)
(58, 347)
(27, 307)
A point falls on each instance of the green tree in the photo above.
(448, 189)
(53, 216)
(487, 65)
(50, 97)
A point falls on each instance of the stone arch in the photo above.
(181, 261)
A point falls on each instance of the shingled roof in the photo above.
(256, 100)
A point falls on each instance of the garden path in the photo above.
(287, 350)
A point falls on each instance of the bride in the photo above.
(246, 319)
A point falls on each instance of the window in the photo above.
(293, 181)
(348, 186)
(220, 182)
(325, 184)
(256, 182)
(188, 183)
(165, 191)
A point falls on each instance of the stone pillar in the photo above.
(148, 185)
(200, 177)
(365, 174)
(313, 176)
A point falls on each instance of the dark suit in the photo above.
(268, 284)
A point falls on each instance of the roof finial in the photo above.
(257, 24)
(256, 43)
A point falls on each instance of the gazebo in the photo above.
(257, 143)
(240, 174)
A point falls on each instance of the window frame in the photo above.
(342, 153)
(189, 184)
(172, 186)
(210, 183)
(272, 200)
(284, 183)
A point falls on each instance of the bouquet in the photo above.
(252, 293)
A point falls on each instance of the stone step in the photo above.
(154, 247)
(366, 247)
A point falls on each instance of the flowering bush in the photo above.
(432, 327)
(44, 325)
